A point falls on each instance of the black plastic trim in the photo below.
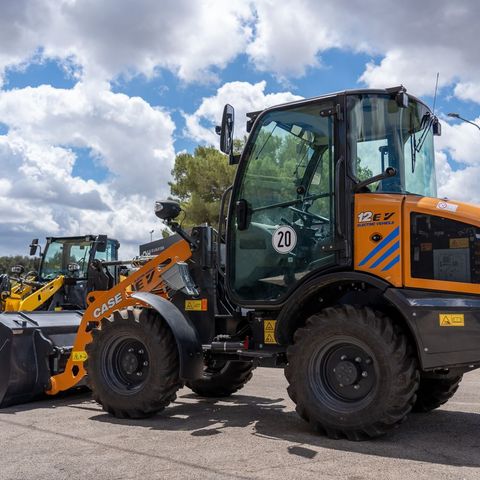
(440, 346)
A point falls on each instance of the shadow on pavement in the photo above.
(440, 437)
(62, 399)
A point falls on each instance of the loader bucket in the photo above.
(33, 347)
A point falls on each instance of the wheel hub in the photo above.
(130, 363)
(346, 373)
(126, 364)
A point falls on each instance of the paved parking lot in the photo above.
(253, 434)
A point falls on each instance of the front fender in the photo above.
(186, 337)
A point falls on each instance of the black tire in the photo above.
(222, 379)
(351, 373)
(434, 392)
(133, 365)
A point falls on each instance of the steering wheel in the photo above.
(311, 215)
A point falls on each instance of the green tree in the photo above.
(199, 181)
(6, 263)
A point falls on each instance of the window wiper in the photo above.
(416, 146)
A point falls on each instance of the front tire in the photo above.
(351, 373)
(133, 365)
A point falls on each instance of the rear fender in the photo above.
(186, 337)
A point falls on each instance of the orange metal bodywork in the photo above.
(379, 215)
(102, 304)
(466, 213)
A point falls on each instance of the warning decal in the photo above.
(459, 242)
(452, 319)
(269, 331)
(79, 356)
(196, 305)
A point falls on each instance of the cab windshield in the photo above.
(381, 135)
(60, 253)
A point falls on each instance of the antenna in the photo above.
(435, 95)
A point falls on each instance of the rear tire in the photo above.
(221, 380)
(133, 365)
(434, 392)
(351, 373)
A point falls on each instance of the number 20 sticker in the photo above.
(284, 239)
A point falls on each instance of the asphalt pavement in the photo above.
(254, 434)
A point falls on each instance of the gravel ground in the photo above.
(253, 434)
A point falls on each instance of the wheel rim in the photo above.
(125, 365)
(343, 374)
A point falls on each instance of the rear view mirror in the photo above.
(226, 133)
(402, 99)
(101, 243)
(33, 246)
(437, 127)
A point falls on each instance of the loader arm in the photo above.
(102, 304)
(40, 296)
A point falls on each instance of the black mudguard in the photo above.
(446, 326)
(186, 336)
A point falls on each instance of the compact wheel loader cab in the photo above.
(336, 263)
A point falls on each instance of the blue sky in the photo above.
(97, 98)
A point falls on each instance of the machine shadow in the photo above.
(441, 437)
(62, 399)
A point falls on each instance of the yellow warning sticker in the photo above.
(269, 331)
(452, 319)
(459, 242)
(79, 356)
(196, 305)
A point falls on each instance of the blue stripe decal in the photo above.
(392, 249)
(391, 236)
(391, 264)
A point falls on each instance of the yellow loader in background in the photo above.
(67, 267)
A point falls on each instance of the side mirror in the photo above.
(242, 214)
(402, 99)
(101, 243)
(33, 246)
(226, 133)
(437, 127)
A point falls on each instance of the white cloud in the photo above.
(196, 39)
(414, 40)
(109, 38)
(462, 141)
(131, 140)
(244, 96)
